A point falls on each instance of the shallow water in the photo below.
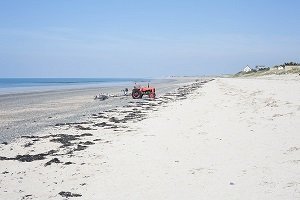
(17, 85)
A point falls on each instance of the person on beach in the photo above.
(125, 91)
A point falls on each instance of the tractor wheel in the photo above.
(136, 94)
(152, 95)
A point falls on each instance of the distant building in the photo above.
(281, 67)
(247, 69)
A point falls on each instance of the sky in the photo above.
(142, 38)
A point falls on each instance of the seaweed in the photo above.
(64, 139)
(68, 163)
(102, 124)
(28, 144)
(80, 147)
(54, 160)
(30, 158)
(71, 123)
(83, 128)
(87, 143)
(86, 134)
(69, 194)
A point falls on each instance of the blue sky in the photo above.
(136, 38)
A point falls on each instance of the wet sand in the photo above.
(29, 113)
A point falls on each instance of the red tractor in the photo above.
(138, 92)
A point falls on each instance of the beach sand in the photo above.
(222, 138)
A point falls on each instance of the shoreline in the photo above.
(28, 113)
(7, 91)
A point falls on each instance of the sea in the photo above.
(17, 85)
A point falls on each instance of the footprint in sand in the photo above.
(202, 170)
(292, 184)
(293, 149)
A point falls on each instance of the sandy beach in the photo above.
(201, 138)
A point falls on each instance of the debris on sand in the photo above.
(29, 136)
(71, 123)
(30, 158)
(102, 124)
(28, 144)
(27, 196)
(115, 120)
(54, 160)
(64, 139)
(80, 148)
(69, 194)
(68, 163)
(87, 143)
(83, 128)
(86, 134)
(101, 97)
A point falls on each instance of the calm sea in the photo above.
(11, 85)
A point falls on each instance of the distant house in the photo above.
(277, 67)
(281, 67)
(247, 69)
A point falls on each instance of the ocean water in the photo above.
(14, 85)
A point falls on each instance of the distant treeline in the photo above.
(291, 63)
(288, 64)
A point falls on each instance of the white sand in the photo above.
(231, 139)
